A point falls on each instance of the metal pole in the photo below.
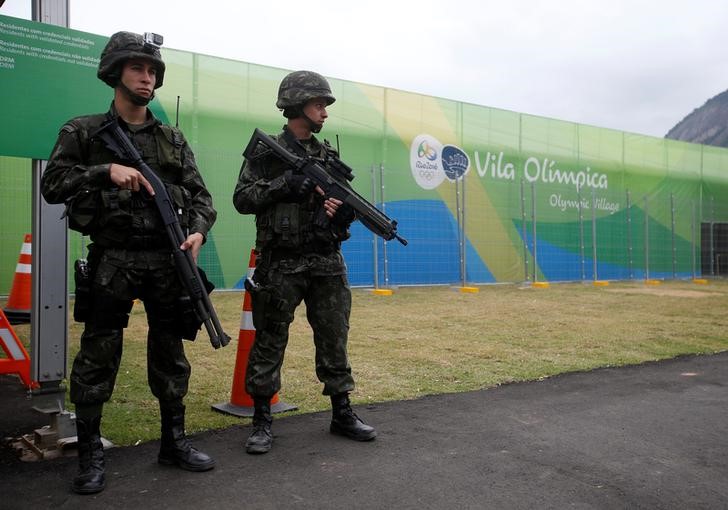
(629, 237)
(49, 293)
(463, 243)
(581, 233)
(712, 243)
(49, 254)
(674, 251)
(647, 239)
(533, 225)
(458, 217)
(375, 243)
(523, 234)
(692, 236)
(383, 207)
(594, 235)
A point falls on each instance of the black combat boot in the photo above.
(176, 448)
(91, 477)
(345, 422)
(261, 439)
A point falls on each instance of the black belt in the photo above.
(278, 254)
(146, 242)
(138, 242)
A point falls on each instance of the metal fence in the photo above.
(614, 235)
(536, 233)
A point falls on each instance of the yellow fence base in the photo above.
(652, 282)
(700, 281)
(540, 285)
(382, 292)
(600, 283)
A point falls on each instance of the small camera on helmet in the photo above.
(152, 40)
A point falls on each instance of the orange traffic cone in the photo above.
(17, 361)
(241, 403)
(17, 309)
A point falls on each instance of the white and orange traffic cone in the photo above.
(17, 309)
(17, 360)
(241, 403)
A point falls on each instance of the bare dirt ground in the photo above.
(659, 291)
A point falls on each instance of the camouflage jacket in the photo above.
(78, 175)
(284, 225)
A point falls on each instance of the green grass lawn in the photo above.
(429, 340)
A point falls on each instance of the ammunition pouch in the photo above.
(82, 278)
(182, 201)
(286, 225)
(170, 151)
(82, 211)
(105, 309)
(291, 226)
(91, 210)
(189, 322)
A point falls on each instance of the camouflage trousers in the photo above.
(328, 305)
(119, 277)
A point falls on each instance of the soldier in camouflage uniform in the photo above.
(130, 256)
(298, 259)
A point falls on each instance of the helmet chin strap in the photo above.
(134, 97)
(314, 127)
(294, 112)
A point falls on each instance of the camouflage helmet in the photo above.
(123, 46)
(300, 86)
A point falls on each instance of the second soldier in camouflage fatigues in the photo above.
(298, 244)
(130, 256)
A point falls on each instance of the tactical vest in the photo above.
(120, 218)
(297, 227)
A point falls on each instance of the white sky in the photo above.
(632, 65)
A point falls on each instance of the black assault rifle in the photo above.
(118, 142)
(371, 217)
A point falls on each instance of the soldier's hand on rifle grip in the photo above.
(126, 177)
(331, 205)
(299, 185)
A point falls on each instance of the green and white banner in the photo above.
(481, 194)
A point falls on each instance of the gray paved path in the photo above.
(649, 436)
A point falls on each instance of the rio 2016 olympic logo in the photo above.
(424, 150)
(431, 162)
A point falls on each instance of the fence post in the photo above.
(464, 239)
(383, 207)
(460, 212)
(523, 233)
(647, 239)
(581, 232)
(533, 226)
(629, 238)
(672, 227)
(375, 243)
(712, 241)
(594, 234)
(692, 237)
